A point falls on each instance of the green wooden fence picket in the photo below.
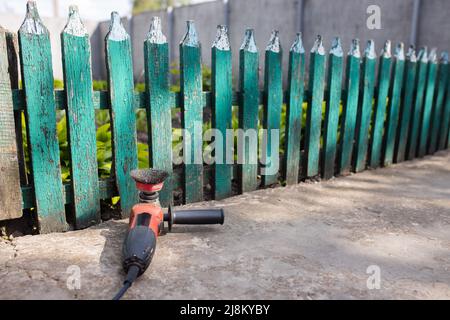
(123, 119)
(445, 124)
(332, 109)
(424, 129)
(437, 115)
(349, 109)
(192, 114)
(378, 116)
(406, 105)
(37, 75)
(417, 106)
(248, 113)
(314, 111)
(81, 121)
(222, 95)
(365, 108)
(273, 100)
(159, 108)
(294, 103)
(393, 106)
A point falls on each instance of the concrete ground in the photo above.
(309, 241)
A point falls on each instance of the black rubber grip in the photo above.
(206, 216)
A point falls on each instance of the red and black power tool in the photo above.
(147, 223)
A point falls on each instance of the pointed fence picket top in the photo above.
(248, 114)
(273, 100)
(392, 114)
(378, 116)
(406, 106)
(192, 114)
(10, 177)
(424, 129)
(222, 96)
(349, 109)
(123, 119)
(416, 110)
(37, 75)
(445, 121)
(80, 121)
(314, 111)
(294, 104)
(437, 112)
(332, 109)
(365, 108)
(159, 105)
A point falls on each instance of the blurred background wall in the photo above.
(421, 22)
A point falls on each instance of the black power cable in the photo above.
(132, 274)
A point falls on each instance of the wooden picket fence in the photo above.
(381, 113)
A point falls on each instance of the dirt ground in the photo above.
(309, 241)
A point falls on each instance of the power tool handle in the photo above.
(198, 216)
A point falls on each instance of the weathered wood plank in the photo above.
(314, 111)
(332, 109)
(81, 121)
(192, 114)
(273, 100)
(424, 129)
(123, 119)
(159, 116)
(393, 106)
(37, 75)
(365, 108)
(406, 105)
(248, 114)
(294, 103)
(10, 195)
(438, 115)
(379, 113)
(349, 109)
(222, 95)
(416, 111)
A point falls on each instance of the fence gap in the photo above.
(159, 105)
(248, 114)
(273, 100)
(332, 109)
(406, 105)
(349, 109)
(393, 106)
(314, 111)
(81, 121)
(294, 107)
(222, 112)
(192, 114)
(417, 106)
(37, 75)
(424, 129)
(365, 107)
(123, 119)
(379, 113)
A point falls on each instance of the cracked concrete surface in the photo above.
(309, 241)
